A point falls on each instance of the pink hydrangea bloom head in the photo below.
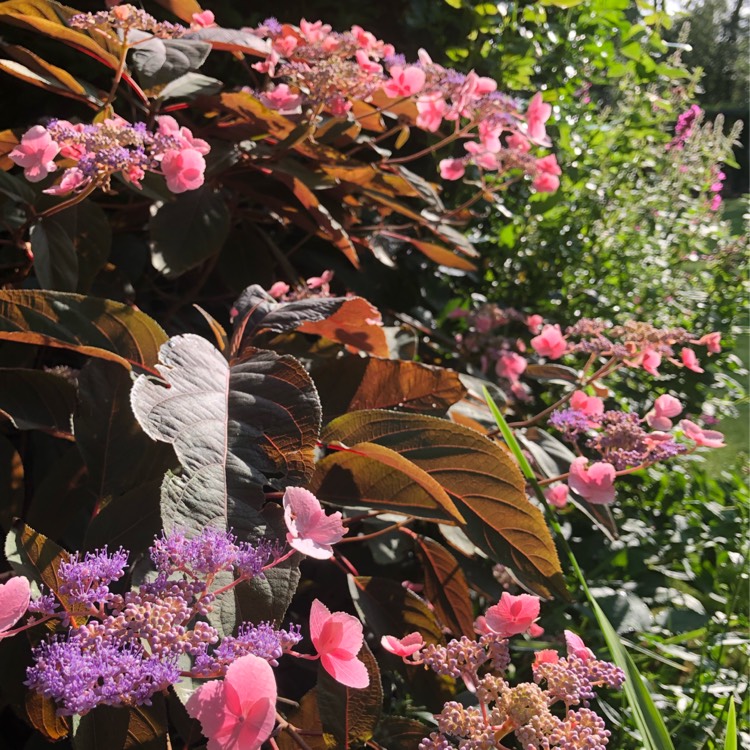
(183, 169)
(338, 638)
(690, 361)
(512, 614)
(510, 366)
(665, 407)
(404, 81)
(557, 495)
(238, 712)
(702, 438)
(403, 647)
(576, 646)
(35, 153)
(550, 342)
(310, 530)
(592, 406)
(14, 601)
(536, 115)
(595, 483)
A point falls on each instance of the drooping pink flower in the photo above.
(550, 342)
(534, 323)
(14, 601)
(452, 169)
(338, 638)
(594, 483)
(183, 169)
(690, 360)
(35, 153)
(285, 45)
(712, 341)
(576, 646)
(545, 182)
(519, 143)
(167, 125)
(482, 157)
(510, 366)
(431, 110)
(591, 406)
(365, 39)
(665, 407)
(282, 99)
(557, 495)
(536, 115)
(402, 647)
(650, 361)
(512, 614)
(549, 165)
(72, 178)
(489, 135)
(404, 81)
(238, 712)
(314, 32)
(535, 631)
(367, 65)
(701, 437)
(311, 531)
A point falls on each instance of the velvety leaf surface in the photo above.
(350, 716)
(445, 586)
(121, 728)
(89, 325)
(158, 61)
(55, 258)
(230, 40)
(483, 481)
(400, 733)
(38, 400)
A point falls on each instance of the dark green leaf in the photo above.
(55, 257)
(36, 400)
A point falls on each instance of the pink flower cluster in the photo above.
(113, 146)
(323, 69)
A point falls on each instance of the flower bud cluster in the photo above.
(130, 643)
(113, 146)
(122, 18)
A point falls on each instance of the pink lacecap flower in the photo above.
(701, 437)
(549, 165)
(536, 115)
(545, 182)
(665, 407)
(279, 289)
(72, 178)
(576, 646)
(510, 366)
(311, 531)
(404, 81)
(169, 126)
(183, 169)
(365, 39)
(431, 110)
(14, 601)
(535, 631)
(489, 136)
(452, 169)
(690, 360)
(534, 323)
(550, 342)
(482, 157)
(314, 32)
(402, 647)
(338, 638)
(203, 19)
(367, 65)
(712, 341)
(512, 614)
(35, 153)
(285, 45)
(282, 99)
(557, 495)
(519, 143)
(546, 656)
(594, 483)
(650, 362)
(591, 406)
(238, 712)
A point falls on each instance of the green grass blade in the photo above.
(730, 741)
(646, 716)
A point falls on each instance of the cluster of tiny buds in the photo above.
(125, 17)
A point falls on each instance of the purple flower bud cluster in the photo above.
(571, 422)
(126, 17)
(129, 647)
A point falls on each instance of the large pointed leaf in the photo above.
(483, 481)
(123, 728)
(36, 400)
(350, 715)
(355, 383)
(160, 61)
(352, 321)
(89, 325)
(55, 259)
(234, 429)
(231, 40)
(445, 586)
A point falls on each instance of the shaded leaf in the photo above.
(158, 61)
(89, 325)
(42, 714)
(479, 476)
(234, 429)
(354, 383)
(350, 716)
(189, 86)
(118, 454)
(123, 728)
(231, 40)
(55, 258)
(442, 255)
(36, 400)
(371, 475)
(306, 716)
(189, 230)
(400, 733)
(445, 586)
(12, 488)
(552, 372)
(14, 187)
